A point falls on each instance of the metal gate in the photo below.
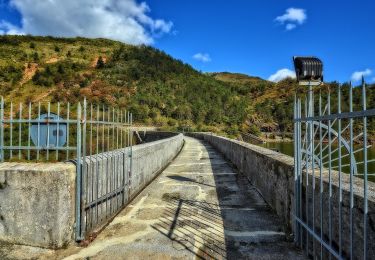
(332, 178)
(104, 166)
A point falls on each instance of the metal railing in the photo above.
(96, 138)
(331, 208)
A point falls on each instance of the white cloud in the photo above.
(8, 28)
(282, 74)
(203, 57)
(123, 20)
(292, 17)
(290, 26)
(357, 75)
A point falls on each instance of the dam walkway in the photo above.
(199, 207)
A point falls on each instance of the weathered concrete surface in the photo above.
(199, 207)
(273, 174)
(37, 203)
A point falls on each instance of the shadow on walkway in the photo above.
(236, 223)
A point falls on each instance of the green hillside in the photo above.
(157, 88)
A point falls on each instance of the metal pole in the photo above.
(20, 132)
(351, 171)
(84, 169)
(2, 130)
(320, 174)
(295, 139)
(365, 206)
(29, 134)
(38, 141)
(340, 171)
(78, 177)
(48, 133)
(329, 173)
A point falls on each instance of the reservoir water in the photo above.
(288, 149)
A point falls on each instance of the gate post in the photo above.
(78, 177)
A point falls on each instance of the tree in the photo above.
(36, 57)
(32, 45)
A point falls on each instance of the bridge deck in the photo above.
(199, 207)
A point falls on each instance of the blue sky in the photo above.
(216, 35)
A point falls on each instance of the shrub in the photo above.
(100, 63)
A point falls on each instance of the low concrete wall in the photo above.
(273, 174)
(150, 159)
(37, 203)
(37, 200)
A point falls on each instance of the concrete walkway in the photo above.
(198, 208)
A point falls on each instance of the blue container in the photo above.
(48, 126)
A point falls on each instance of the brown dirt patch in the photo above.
(29, 72)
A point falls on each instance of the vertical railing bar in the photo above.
(48, 125)
(105, 158)
(128, 154)
(118, 175)
(67, 132)
(295, 167)
(38, 136)
(2, 154)
(20, 132)
(320, 175)
(340, 170)
(90, 170)
(58, 131)
(97, 162)
(365, 206)
(29, 134)
(84, 167)
(131, 143)
(11, 130)
(351, 170)
(125, 158)
(78, 178)
(113, 161)
(329, 172)
(109, 175)
(308, 144)
(300, 179)
(312, 132)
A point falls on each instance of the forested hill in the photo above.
(157, 88)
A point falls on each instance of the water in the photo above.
(288, 149)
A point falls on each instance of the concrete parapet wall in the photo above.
(272, 173)
(150, 159)
(37, 203)
(37, 200)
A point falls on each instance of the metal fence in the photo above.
(332, 173)
(96, 138)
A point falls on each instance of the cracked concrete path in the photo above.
(198, 208)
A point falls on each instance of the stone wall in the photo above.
(272, 173)
(37, 203)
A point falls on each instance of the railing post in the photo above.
(84, 169)
(78, 176)
(2, 129)
(365, 177)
